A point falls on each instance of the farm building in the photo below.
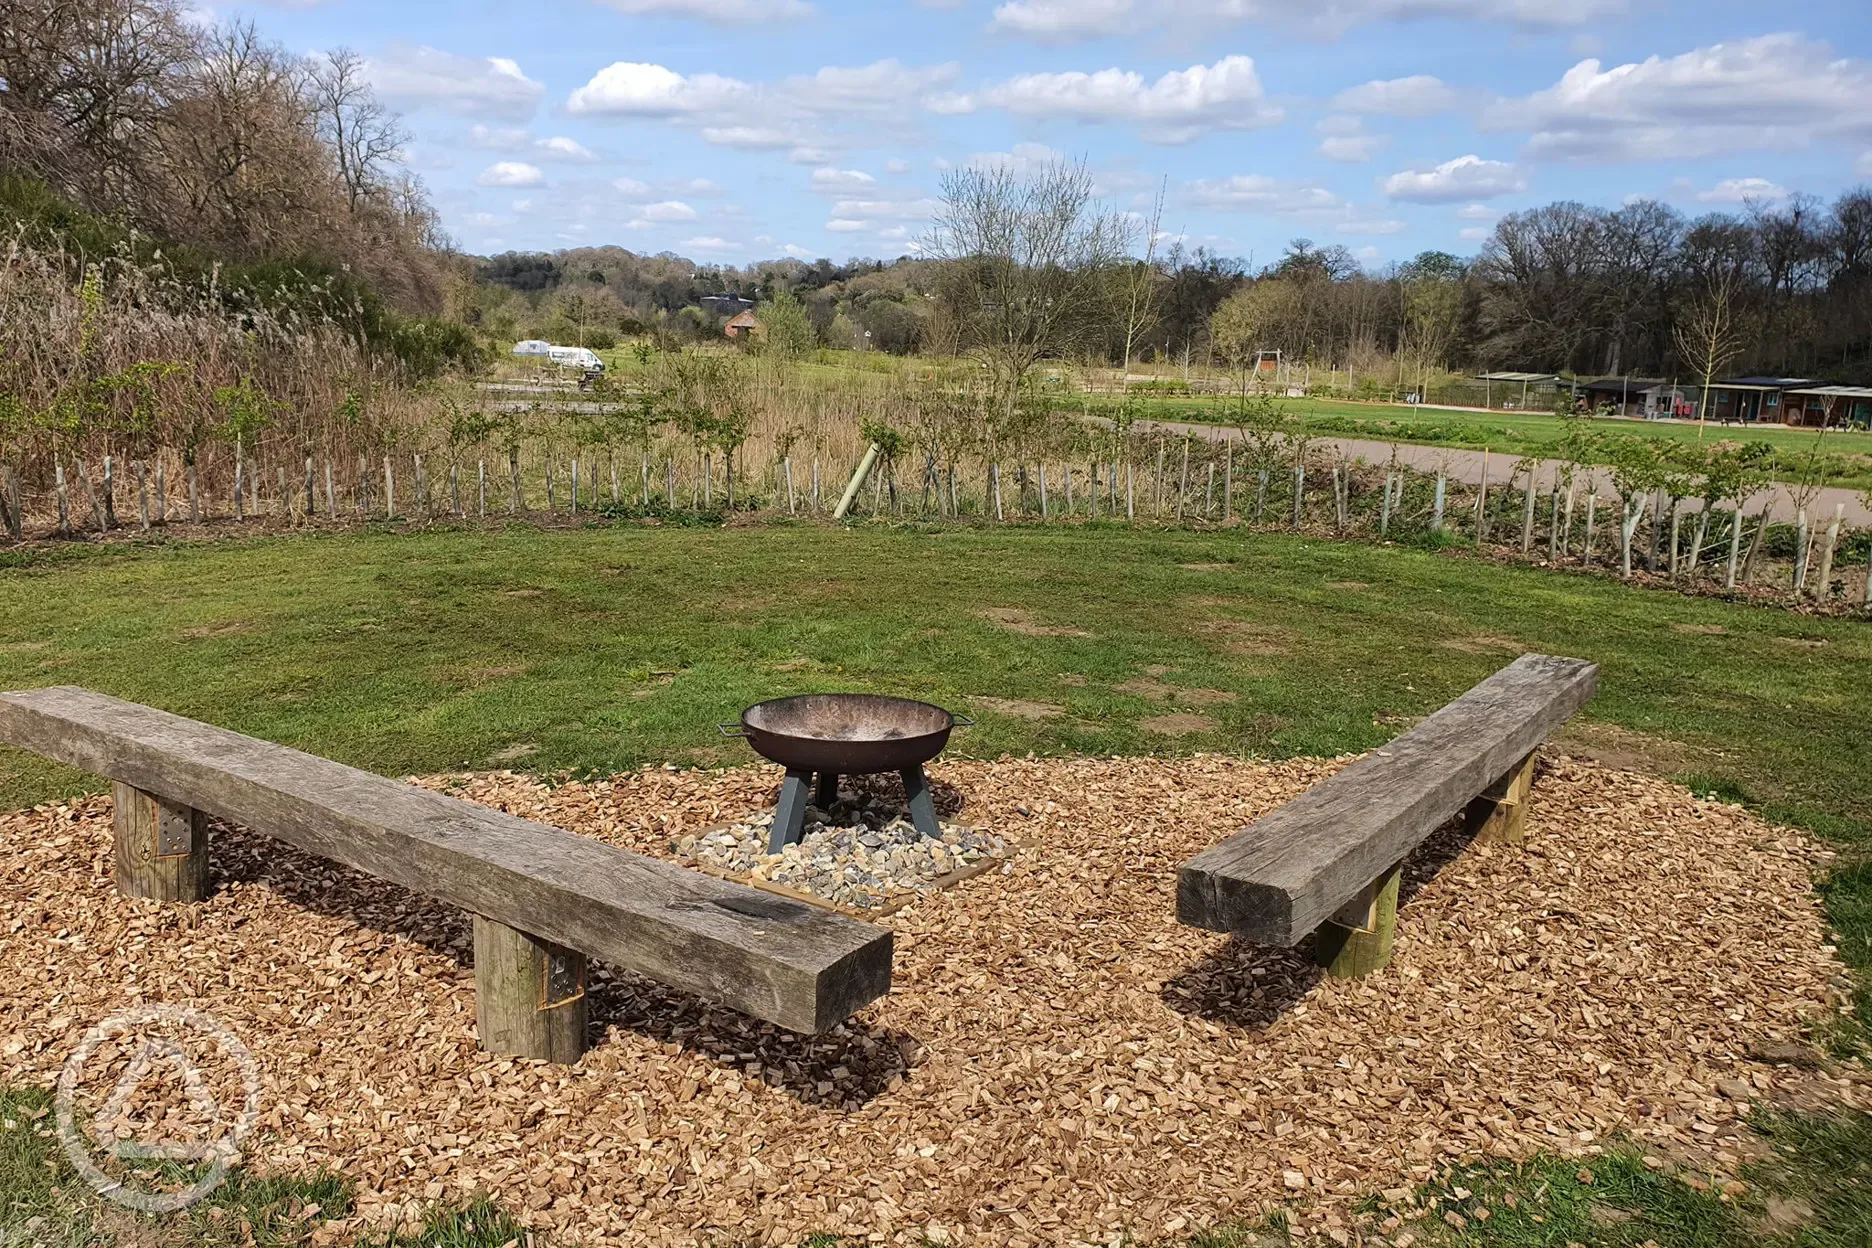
(1840, 407)
(744, 323)
(1649, 398)
(1752, 400)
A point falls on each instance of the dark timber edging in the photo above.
(1321, 854)
(779, 960)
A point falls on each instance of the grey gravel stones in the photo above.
(864, 853)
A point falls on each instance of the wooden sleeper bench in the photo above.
(1331, 858)
(542, 899)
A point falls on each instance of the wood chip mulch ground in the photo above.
(1058, 1060)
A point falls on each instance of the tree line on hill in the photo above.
(1565, 288)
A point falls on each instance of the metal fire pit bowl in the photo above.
(845, 734)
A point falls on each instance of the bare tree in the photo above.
(1709, 332)
(1024, 263)
(1141, 286)
(366, 138)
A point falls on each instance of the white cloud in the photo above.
(519, 139)
(896, 166)
(841, 181)
(1253, 192)
(1865, 165)
(1351, 148)
(722, 12)
(797, 252)
(1176, 108)
(1742, 190)
(1417, 96)
(1062, 20)
(812, 156)
(1466, 177)
(1477, 212)
(1371, 225)
(1474, 233)
(631, 187)
(1769, 92)
(414, 76)
(838, 91)
(844, 225)
(559, 147)
(667, 210)
(511, 173)
(639, 89)
(1023, 160)
(751, 138)
(500, 138)
(891, 209)
(1065, 21)
(709, 242)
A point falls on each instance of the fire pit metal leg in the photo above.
(827, 791)
(789, 821)
(922, 808)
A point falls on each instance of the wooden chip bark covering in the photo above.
(1058, 1061)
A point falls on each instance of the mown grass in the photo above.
(1847, 455)
(615, 646)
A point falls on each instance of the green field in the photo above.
(1845, 454)
(616, 646)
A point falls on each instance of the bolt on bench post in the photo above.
(161, 847)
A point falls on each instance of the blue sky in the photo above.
(735, 130)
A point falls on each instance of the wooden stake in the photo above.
(162, 492)
(1592, 508)
(1823, 583)
(1357, 940)
(1436, 507)
(529, 994)
(481, 488)
(389, 490)
(1384, 507)
(194, 496)
(1499, 814)
(161, 847)
(64, 504)
(1041, 469)
(143, 507)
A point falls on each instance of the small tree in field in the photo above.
(789, 331)
(1709, 334)
(1025, 262)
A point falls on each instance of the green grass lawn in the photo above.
(615, 646)
(612, 647)
(1848, 454)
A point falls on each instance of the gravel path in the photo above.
(1058, 1060)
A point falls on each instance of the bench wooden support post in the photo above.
(161, 847)
(529, 994)
(1357, 940)
(1499, 813)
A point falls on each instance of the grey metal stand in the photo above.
(789, 819)
(922, 808)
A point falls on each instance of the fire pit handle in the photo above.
(729, 728)
(962, 721)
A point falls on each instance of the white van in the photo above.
(582, 358)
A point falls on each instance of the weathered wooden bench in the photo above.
(1331, 858)
(542, 899)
